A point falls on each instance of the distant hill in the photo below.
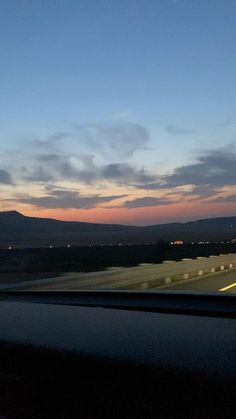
(19, 230)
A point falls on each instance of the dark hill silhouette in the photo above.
(19, 230)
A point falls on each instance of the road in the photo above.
(213, 274)
(224, 282)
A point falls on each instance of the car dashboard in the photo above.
(117, 355)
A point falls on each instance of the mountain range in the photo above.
(22, 231)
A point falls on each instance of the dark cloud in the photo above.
(53, 166)
(38, 174)
(213, 170)
(202, 191)
(113, 143)
(82, 168)
(216, 168)
(59, 198)
(147, 201)
(206, 177)
(5, 177)
(125, 174)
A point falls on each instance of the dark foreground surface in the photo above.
(109, 355)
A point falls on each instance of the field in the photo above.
(29, 264)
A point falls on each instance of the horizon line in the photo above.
(127, 225)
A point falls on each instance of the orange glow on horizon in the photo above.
(135, 216)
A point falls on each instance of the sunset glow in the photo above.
(109, 115)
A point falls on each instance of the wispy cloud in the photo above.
(175, 130)
(65, 199)
(82, 168)
(224, 199)
(147, 201)
(53, 163)
(117, 139)
(225, 123)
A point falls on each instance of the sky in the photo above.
(118, 111)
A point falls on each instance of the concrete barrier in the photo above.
(144, 276)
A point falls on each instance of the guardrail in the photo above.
(187, 269)
(143, 276)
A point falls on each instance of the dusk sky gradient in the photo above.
(118, 111)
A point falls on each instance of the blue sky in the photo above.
(78, 77)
